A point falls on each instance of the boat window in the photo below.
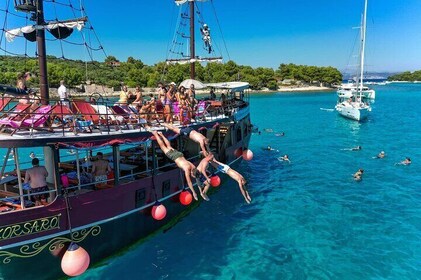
(140, 197)
(166, 190)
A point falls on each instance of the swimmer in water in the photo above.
(357, 148)
(32, 155)
(284, 158)
(406, 161)
(280, 134)
(380, 155)
(358, 176)
(269, 148)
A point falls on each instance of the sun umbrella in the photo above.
(188, 82)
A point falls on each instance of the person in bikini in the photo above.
(36, 177)
(224, 168)
(179, 159)
(100, 167)
(191, 134)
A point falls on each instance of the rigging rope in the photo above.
(220, 30)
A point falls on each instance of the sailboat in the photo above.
(80, 221)
(351, 101)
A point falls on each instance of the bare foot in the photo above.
(195, 196)
(248, 196)
(203, 195)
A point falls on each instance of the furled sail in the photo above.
(60, 30)
(201, 59)
(181, 2)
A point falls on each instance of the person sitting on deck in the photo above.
(224, 168)
(192, 134)
(100, 167)
(36, 177)
(179, 159)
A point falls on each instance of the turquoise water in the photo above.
(308, 219)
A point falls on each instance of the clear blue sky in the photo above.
(267, 33)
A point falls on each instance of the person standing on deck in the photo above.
(37, 179)
(63, 94)
(124, 97)
(191, 91)
(100, 167)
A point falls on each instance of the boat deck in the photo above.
(49, 124)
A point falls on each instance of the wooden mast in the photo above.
(42, 53)
(192, 46)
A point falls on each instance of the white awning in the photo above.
(232, 86)
(11, 34)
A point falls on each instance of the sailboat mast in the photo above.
(42, 53)
(362, 54)
(192, 45)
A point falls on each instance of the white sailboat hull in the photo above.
(353, 111)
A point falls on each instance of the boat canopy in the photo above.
(232, 86)
(87, 145)
(59, 30)
(197, 84)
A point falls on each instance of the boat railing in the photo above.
(15, 200)
(80, 116)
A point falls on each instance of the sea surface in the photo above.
(308, 219)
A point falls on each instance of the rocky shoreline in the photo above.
(146, 91)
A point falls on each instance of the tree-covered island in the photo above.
(133, 72)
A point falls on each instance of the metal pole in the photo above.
(192, 48)
(6, 157)
(16, 156)
(42, 54)
(147, 158)
(78, 167)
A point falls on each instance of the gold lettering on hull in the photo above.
(29, 227)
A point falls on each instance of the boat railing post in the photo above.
(154, 161)
(78, 168)
(6, 157)
(56, 155)
(147, 157)
(16, 156)
(104, 103)
(116, 164)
